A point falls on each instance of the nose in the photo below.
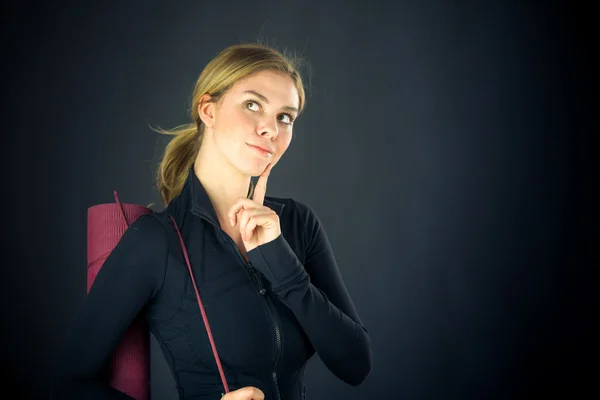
(268, 128)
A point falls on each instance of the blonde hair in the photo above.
(229, 66)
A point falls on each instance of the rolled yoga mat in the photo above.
(130, 364)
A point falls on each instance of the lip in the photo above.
(263, 148)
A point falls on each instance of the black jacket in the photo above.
(267, 316)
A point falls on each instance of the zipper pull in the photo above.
(261, 290)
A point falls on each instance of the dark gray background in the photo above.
(444, 146)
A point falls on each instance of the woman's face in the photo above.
(257, 111)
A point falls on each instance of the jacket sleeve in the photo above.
(129, 277)
(317, 295)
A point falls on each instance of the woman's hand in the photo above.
(257, 224)
(245, 393)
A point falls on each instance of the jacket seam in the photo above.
(166, 258)
(293, 281)
(171, 363)
(303, 233)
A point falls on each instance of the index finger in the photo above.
(261, 186)
(245, 393)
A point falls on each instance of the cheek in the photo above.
(236, 124)
(241, 121)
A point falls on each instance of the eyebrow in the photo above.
(263, 98)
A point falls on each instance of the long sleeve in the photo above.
(317, 295)
(130, 276)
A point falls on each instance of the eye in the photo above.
(250, 104)
(287, 119)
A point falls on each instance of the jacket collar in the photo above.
(197, 201)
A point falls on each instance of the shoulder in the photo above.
(147, 236)
(298, 213)
(140, 252)
(291, 206)
(148, 227)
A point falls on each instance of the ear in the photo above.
(206, 110)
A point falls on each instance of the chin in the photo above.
(252, 165)
(256, 171)
(252, 169)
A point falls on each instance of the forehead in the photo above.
(276, 86)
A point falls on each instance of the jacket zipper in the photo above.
(277, 345)
(262, 291)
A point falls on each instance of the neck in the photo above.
(222, 182)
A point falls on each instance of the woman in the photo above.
(266, 273)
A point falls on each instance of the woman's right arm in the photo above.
(129, 277)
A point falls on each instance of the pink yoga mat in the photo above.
(130, 364)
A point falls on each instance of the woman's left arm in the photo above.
(317, 295)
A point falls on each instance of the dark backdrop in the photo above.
(444, 146)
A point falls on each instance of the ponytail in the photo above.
(179, 155)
